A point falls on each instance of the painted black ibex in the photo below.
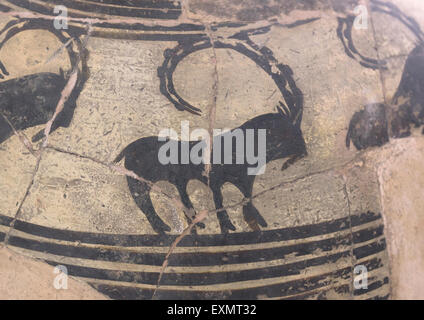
(283, 139)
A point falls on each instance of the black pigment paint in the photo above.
(283, 139)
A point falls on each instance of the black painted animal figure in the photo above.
(409, 97)
(370, 127)
(283, 139)
(30, 101)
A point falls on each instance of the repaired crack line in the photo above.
(27, 193)
(212, 110)
(212, 117)
(380, 67)
(279, 21)
(205, 213)
(22, 137)
(346, 194)
(68, 89)
(65, 93)
(128, 173)
(199, 217)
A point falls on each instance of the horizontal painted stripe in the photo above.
(191, 258)
(5, 220)
(194, 279)
(140, 31)
(368, 233)
(47, 8)
(106, 265)
(343, 291)
(162, 4)
(370, 266)
(178, 249)
(183, 27)
(118, 10)
(358, 219)
(118, 291)
(292, 289)
(146, 36)
(369, 249)
(379, 297)
(4, 229)
(177, 259)
(240, 285)
(372, 286)
(122, 266)
(301, 232)
(214, 249)
(4, 8)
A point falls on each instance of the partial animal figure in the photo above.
(373, 125)
(242, 43)
(409, 97)
(283, 139)
(31, 100)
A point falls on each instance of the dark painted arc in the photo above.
(263, 57)
(35, 96)
(394, 11)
